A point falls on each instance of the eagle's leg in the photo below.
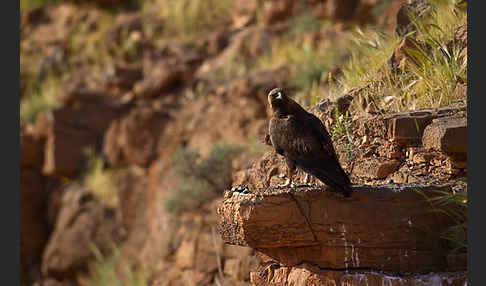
(290, 174)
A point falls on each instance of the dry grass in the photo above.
(431, 73)
(187, 18)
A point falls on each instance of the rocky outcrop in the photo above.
(307, 274)
(409, 147)
(121, 147)
(379, 228)
(154, 95)
(83, 226)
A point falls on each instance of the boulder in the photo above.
(120, 146)
(447, 135)
(375, 167)
(163, 76)
(72, 130)
(66, 151)
(403, 128)
(408, 129)
(82, 224)
(378, 227)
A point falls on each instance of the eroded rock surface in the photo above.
(379, 227)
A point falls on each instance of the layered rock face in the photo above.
(298, 231)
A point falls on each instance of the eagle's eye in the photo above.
(279, 95)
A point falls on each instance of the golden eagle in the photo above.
(303, 140)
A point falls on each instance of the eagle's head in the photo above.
(277, 98)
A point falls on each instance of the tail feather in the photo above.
(338, 180)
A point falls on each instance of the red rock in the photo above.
(123, 77)
(374, 228)
(121, 146)
(186, 254)
(308, 274)
(243, 12)
(408, 129)
(82, 223)
(457, 261)
(66, 151)
(31, 149)
(375, 168)
(163, 77)
(34, 230)
(275, 11)
(447, 135)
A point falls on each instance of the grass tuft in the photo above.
(100, 181)
(454, 206)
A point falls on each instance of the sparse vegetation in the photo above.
(430, 75)
(201, 178)
(111, 271)
(38, 96)
(341, 132)
(100, 181)
(187, 18)
(454, 206)
(26, 5)
(308, 61)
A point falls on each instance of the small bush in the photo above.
(201, 178)
(111, 271)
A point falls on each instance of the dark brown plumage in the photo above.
(303, 140)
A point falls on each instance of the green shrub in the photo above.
(111, 271)
(201, 178)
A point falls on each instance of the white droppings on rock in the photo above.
(346, 259)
